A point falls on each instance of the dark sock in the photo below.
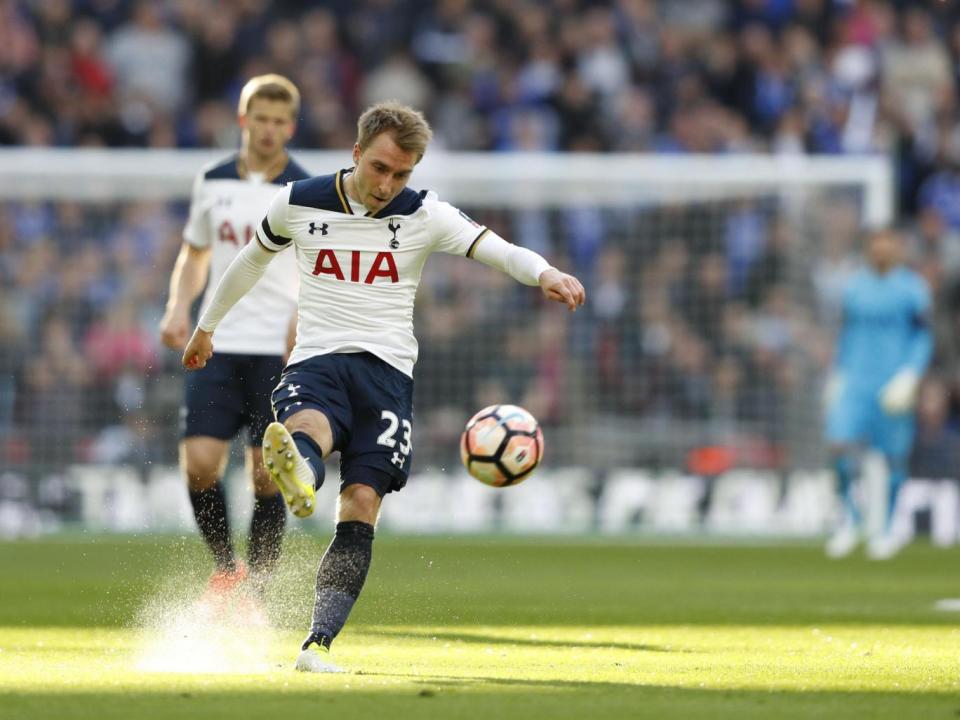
(314, 455)
(321, 640)
(210, 510)
(266, 534)
(340, 578)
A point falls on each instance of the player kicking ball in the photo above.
(233, 390)
(361, 238)
(883, 349)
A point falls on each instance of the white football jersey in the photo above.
(359, 273)
(225, 210)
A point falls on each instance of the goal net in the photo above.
(713, 292)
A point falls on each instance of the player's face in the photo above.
(383, 169)
(884, 250)
(267, 127)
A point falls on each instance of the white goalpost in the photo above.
(514, 180)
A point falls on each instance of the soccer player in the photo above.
(361, 239)
(883, 349)
(233, 390)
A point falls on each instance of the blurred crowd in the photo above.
(709, 323)
(718, 76)
(715, 318)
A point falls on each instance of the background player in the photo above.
(233, 391)
(362, 238)
(883, 349)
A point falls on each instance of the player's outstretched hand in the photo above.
(562, 288)
(198, 350)
(174, 328)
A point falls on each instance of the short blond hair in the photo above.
(409, 128)
(269, 87)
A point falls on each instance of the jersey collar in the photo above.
(405, 203)
(341, 191)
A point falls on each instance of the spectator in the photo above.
(150, 61)
(54, 403)
(118, 343)
(836, 260)
(12, 353)
(916, 72)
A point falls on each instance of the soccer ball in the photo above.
(501, 445)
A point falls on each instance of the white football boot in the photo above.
(884, 547)
(314, 657)
(843, 542)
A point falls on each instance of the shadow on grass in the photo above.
(430, 697)
(527, 642)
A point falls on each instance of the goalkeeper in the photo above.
(882, 351)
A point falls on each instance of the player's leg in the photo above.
(212, 416)
(344, 566)
(898, 437)
(269, 518)
(203, 460)
(894, 438)
(375, 461)
(845, 463)
(848, 530)
(341, 575)
(293, 453)
(313, 413)
(313, 436)
(268, 522)
(845, 427)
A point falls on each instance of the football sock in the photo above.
(312, 453)
(897, 468)
(210, 510)
(846, 467)
(340, 578)
(266, 533)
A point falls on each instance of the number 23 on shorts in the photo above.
(388, 437)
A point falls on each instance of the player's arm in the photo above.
(241, 275)
(187, 281)
(190, 270)
(291, 337)
(454, 232)
(921, 342)
(900, 392)
(529, 268)
(841, 353)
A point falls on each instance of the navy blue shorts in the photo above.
(369, 404)
(231, 392)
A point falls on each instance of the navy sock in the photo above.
(340, 578)
(314, 455)
(266, 533)
(210, 510)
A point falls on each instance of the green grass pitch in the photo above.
(490, 628)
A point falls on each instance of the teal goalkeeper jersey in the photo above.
(885, 327)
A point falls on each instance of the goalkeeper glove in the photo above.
(900, 392)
